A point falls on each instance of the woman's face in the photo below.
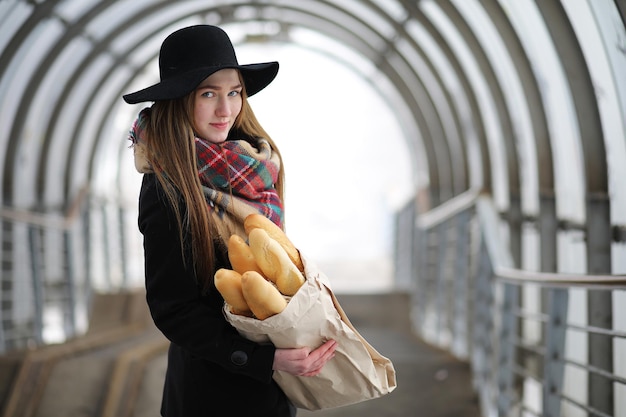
(217, 104)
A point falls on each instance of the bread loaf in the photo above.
(240, 255)
(228, 283)
(262, 297)
(254, 221)
(274, 262)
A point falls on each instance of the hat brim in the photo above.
(255, 77)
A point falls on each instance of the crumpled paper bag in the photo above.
(313, 315)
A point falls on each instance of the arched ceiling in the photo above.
(74, 59)
(464, 78)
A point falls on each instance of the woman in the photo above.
(208, 163)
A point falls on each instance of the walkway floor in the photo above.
(430, 382)
(119, 371)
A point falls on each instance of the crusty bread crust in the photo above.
(263, 298)
(254, 221)
(228, 283)
(274, 262)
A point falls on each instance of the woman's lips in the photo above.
(220, 126)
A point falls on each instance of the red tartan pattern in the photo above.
(239, 168)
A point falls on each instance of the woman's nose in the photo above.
(223, 108)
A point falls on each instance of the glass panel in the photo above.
(19, 74)
(393, 8)
(506, 73)
(454, 88)
(372, 31)
(562, 122)
(438, 100)
(77, 100)
(375, 21)
(481, 89)
(599, 32)
(44, 103)
(12, 16)
(107, 20)
(72, 10)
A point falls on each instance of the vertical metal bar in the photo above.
(440, 284)
(34, 240)
(5, 283)
(506, 352)
(106, 246)
(514, 221)
(70, 324)
(452, 235)
(428, 274)
(461, 285)
(490, 335)
(413, 245)
(482, 335)
(421, 269)
(554, 367)
(600, 303)
(86, 236)
(122, 246)
(474, 261)
(548, 229)
(480, 313)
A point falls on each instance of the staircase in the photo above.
(98, 374)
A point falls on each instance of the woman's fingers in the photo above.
(319, 357)
(303, 361)
(323, 354)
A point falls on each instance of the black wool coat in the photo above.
(212, 371)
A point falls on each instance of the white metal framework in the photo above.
(523, 100)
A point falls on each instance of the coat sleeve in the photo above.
(176, 303)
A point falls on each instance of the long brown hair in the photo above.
(172, 151)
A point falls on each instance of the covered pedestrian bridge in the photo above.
(486, 150)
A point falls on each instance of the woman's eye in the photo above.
(234, 93)
(208, 94)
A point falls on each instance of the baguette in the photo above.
(274, 262)
(240, 255)
(254, 221)
(228, 283)
(262, 297)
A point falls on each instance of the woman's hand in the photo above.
(303, 361)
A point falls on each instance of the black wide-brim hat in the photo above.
(191, 54)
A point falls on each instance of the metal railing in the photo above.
(52, 263)
(524, 333)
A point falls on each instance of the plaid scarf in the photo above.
(237, 178)
(235, 174)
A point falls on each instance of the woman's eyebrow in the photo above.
(217, 87)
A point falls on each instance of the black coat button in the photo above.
(239, 357)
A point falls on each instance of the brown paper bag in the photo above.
(312, 316)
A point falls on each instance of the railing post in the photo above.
(6, 298)
(554, 366)
(106, 243)
(461, 298)
(426, 275)
(122, 246)
(440, 285)
(87, 265)
(506, 347)
(34, 240)
(600, 303)
(70, 325)
(482, 351)
(419, 270)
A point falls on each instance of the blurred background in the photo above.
(458, 164)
